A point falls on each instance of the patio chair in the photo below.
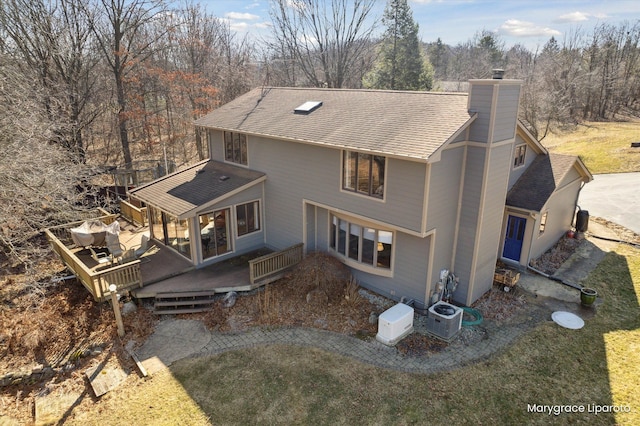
(136, 252)
(99, 257)
(116, 249)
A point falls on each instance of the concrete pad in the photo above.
(578, 267)
(541, 286)
(172, 340)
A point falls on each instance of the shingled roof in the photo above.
(395, 123)
(201, 184)
(536, 185)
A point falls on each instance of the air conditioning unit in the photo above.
(395, 324)
(444, 320)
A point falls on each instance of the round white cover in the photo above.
(567, 320)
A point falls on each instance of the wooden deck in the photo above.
(97, 278)
(163, 270)
(230, 275)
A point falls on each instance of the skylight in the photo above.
(308, 107)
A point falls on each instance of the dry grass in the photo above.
(604, 147)
(314, 294)
(597, 365)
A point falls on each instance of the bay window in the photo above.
(360, 243)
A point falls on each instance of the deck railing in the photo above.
(137, 215)
(124, 276)
(271, 266)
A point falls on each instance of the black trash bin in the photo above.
(582, 221)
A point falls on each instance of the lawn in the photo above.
(604, 147)
(596, 366)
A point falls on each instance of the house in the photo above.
(398, 185)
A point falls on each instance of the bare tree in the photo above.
(53, 40)
(327, 39)
(119, 26)
(35, 193)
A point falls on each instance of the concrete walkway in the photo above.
(161, 350)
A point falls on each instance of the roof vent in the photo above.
(223, 178)
(308, 107)
(498, 74)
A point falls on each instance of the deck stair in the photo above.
(185, 302)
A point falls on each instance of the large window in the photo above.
(518, 159)
(171, 231)
(363, 173)
(215, 233)
(361, 243)
(235, 147)
(178, 234)
(248, 218)
(157, 226)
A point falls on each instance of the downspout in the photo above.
(551, 277)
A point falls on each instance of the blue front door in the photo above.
(514, 237)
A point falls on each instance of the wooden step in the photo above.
(184, 294)
(202, 308)
(185, 302)
(162, 303)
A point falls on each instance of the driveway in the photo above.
(615, 197)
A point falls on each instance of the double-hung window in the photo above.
(235, 147)
(363, 173)
(520, 152)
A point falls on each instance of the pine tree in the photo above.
(401, 64)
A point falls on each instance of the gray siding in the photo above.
(506, 114)
(216, 144)
(322, 232)
(530, 155)
(298, 171)
(444, 192)
(559, 219)
(410, 271)
(469, 219)
(491, 220)
(480, 101)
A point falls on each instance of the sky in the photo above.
(530, 23)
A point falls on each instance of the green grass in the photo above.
(598, 364)
(604, 147)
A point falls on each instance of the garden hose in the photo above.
(475, 314)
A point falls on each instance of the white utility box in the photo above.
(444, 320)
(395, 324)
